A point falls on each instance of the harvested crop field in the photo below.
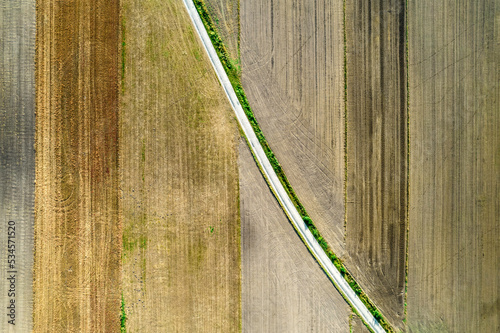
(283, 288)
(178, 179)
(17, 162)
(377, 151)
(77, 231)
(292, 57)
(454, 211)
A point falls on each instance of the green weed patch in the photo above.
(123, 317)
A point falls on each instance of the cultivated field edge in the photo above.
(234, 78)
(407, 55)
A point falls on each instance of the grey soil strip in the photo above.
(17, 163)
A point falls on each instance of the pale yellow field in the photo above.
(178, 179)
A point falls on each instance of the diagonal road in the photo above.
(275, 183)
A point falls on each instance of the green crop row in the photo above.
(233, 75)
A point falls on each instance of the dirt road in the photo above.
(17, 162)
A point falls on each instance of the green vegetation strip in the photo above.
(233, 75)
(123, 317)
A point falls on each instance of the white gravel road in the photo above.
(273, 180)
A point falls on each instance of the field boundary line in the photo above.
(302, 224)
(407, 50)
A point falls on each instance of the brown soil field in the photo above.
(17, 161)
(77, 231)
(292, 57)
(357, 325)
(178, 179)
(454, 211)
(283, 288)
(226, 18)
(377, 151)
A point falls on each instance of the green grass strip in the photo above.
(123, 317)
(232, 73)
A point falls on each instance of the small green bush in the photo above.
(123, 317)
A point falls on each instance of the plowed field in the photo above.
(454, 248)
(292, 57)
(283, 288)
(357, 325)
(377, 151)
(226, 18)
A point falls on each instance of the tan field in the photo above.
(178, 179)
(142, 180)
(454, 248)
(77, 231)
(283, 288)
(292, 57)
(377, 151)
(17, 163)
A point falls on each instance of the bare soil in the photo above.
(292, 57)
(178, 179)
(77, 231)
(283, 288)
(454, 211)
(357, 325)
(17, 162)
(377, 151)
